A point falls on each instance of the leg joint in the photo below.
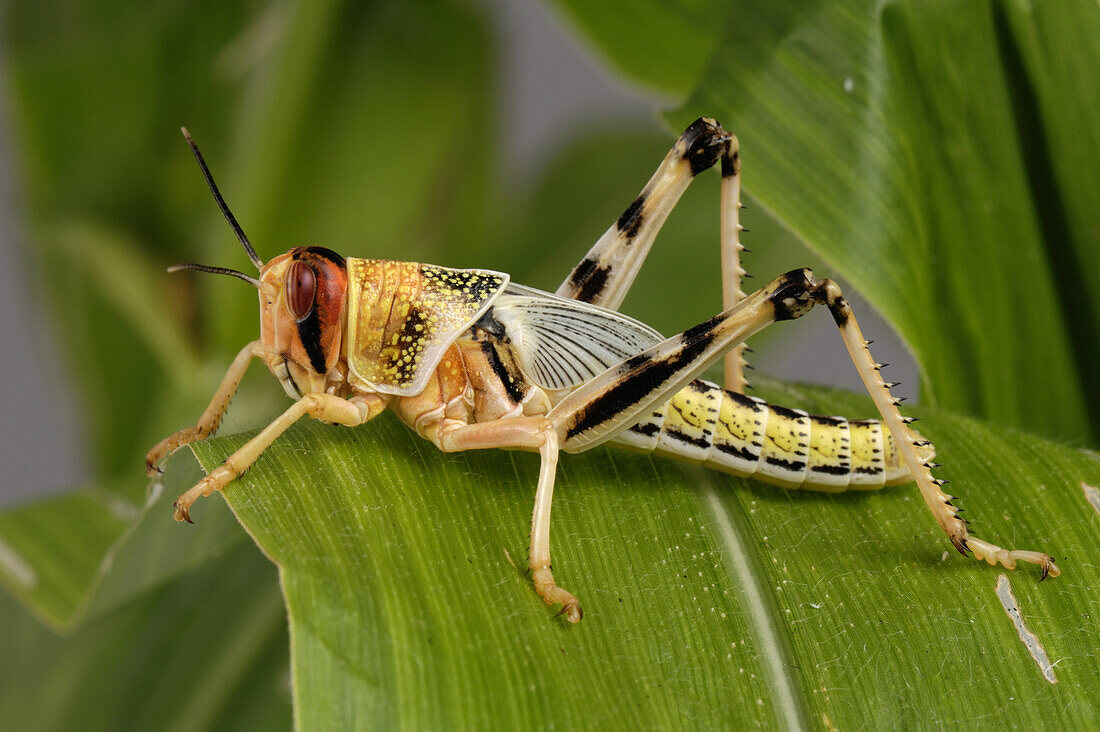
(794, 294)
(731, 159)
(314, 402)
(828, 293)
(703, 143)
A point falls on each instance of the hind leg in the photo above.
(607, 272)
(601, 408)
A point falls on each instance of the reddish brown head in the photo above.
(302, 306)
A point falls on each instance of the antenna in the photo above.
(225, 210)
(218, 270)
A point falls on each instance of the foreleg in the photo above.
(325, 407)
(210, 418)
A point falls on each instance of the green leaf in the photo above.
(940, 156)
(84, 554)
(206, 651)
(664, 44)
(709, 600)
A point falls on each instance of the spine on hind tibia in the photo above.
(746, 436)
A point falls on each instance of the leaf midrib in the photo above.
(742, 561)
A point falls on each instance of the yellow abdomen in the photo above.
(747, 436)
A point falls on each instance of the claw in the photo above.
(181, 514)
(572, 612)
(960, 544)
(551, 594)
(1050, 569)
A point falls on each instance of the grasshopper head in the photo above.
(302, 296)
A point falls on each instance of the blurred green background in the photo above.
(940, 158)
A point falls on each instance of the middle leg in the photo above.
(325, 407)
(532, 433)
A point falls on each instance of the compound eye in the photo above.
(301, 287)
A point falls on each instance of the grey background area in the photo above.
(550, 84)
(41, 449)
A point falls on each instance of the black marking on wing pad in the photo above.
(512, 385)
(492, 326)
(640, 376)
(632, 217)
